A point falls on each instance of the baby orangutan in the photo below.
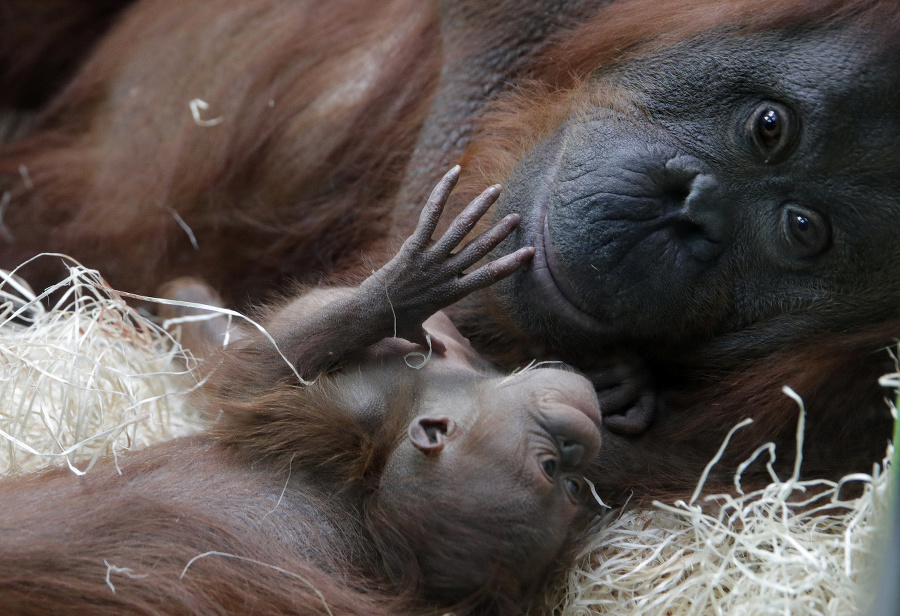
(367, 487)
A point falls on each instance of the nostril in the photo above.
(676, 194)
(704, 216)
(693, 199)
(677, 181)
(572, 453)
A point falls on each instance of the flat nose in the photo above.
(698, 211)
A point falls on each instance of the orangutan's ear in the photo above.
(429, 432)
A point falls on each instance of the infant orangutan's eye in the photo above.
(549, 467)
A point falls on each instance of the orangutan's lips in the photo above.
(555, 290)
(562, 283)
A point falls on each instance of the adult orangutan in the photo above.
(711, 187)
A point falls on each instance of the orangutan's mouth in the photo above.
(555, 291)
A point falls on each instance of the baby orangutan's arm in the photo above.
(255, 395)
(424, 277)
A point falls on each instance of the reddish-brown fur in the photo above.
(35, 66)
(278, 491)
(280, 501)
(239, 186)
(357, 491)
(174, 506)
(308, 184)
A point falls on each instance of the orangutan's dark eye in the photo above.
(772, 131)
(549, 467)
(770, 127)
(805, 231)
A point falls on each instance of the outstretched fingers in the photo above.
(431, 213)
(497, 270)
(425, 275)
(479, 247)
(466, 221)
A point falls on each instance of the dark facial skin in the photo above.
(739, 199)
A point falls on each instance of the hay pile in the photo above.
(792, 549)
(92, 376)
(84, 379)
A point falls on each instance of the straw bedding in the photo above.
(779, 551)
(92, 377)
(86, 378)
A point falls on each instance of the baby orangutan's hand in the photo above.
(426, 276)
